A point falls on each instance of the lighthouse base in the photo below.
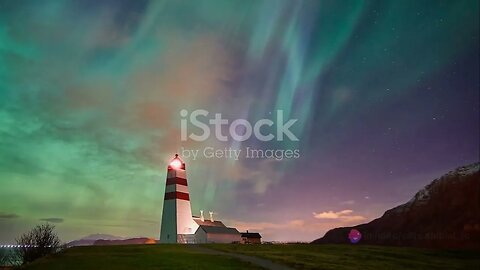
(186, 239)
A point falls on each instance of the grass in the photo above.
(136, 257)
(298, 256)
(305, 256)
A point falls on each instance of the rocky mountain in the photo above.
(445, 214)
(90, 239)
(131, 241)
(108, 240)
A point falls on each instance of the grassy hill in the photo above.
(301, 256)
(313, 256)
(136, 257)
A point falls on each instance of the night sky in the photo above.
(386, 94)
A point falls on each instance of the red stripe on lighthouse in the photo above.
(176, 180)
(177, 195)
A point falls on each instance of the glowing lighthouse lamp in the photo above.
(176, 163)
(178, 225)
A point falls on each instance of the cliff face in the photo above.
(446, 213)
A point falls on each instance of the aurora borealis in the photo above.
(386, 94)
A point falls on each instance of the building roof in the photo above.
(207, 222)
(218, 230)
(251, 235)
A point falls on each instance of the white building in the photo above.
(213, 231)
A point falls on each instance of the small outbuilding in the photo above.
(216, 234)
(251, 238)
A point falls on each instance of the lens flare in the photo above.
(354, 236)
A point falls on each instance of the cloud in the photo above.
(344, 215)
(331, 214)
(53, 220)
(262, 226)
(261, 174)
(8, 215)
(349, 202)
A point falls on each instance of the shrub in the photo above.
(38, 242)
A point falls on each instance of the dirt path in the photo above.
(255, 260)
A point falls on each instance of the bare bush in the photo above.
(9, 257)
(4, 257)
(38, 242)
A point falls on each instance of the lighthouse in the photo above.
(177, 224)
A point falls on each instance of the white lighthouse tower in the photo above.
(178, 225)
